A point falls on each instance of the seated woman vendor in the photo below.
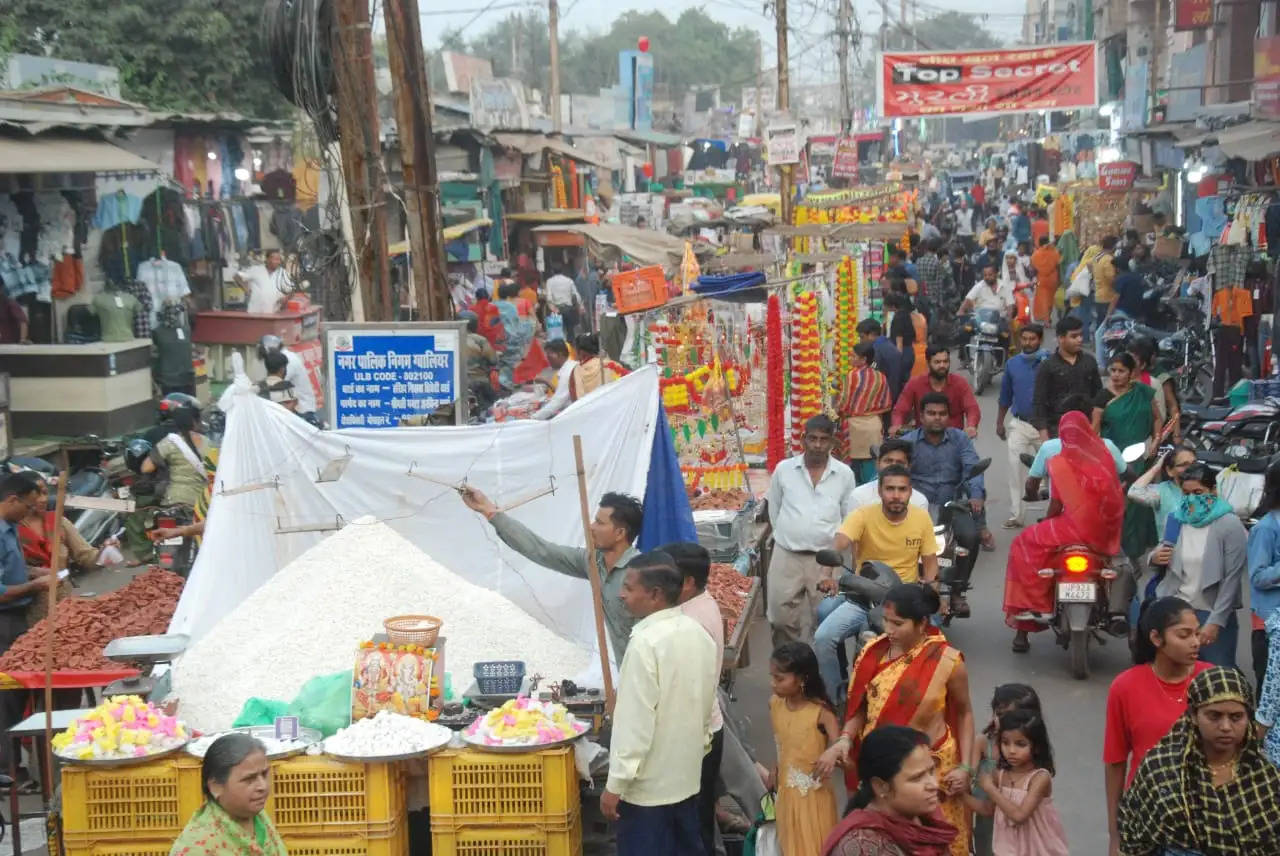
(236, 778)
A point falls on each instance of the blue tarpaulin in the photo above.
(743, 287)
(667, 514)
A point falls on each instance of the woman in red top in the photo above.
(1145, 701)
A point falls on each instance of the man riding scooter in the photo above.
(941, 459)
(991, 294)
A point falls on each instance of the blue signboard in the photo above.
(386, 375)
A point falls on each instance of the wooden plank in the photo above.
(101, 503)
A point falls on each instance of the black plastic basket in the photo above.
(499, 677)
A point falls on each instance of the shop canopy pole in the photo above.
(59, 507)
(593, 574)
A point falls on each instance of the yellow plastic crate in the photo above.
(394, 841)
(117, 848)
(485, 788)
(141, 801)
(317, 796)
(549, 840)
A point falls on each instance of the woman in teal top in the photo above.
(1166, 495)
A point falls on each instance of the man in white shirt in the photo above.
(562, 292)
(268, 284)
(296, 374)
(694, 564)
(558, 357)
(809, 497)
(838, 618)
(989, 294)
(662, 717)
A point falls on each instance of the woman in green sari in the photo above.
(237, 781)
(1125, 413)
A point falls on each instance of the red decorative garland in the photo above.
(774, 389)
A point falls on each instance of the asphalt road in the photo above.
(1075, 710)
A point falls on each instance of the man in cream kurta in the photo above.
(662, 718)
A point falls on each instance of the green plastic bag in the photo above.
(260, 711)
(324, 703)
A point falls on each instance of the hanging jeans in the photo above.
(1228, 343)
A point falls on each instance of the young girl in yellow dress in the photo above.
(804, 726)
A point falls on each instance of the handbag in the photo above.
(1242, 491)
(1081, 283)
(763, 840)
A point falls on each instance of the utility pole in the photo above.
(845, 23)
(361, 146)
(884, 26)
(553, 18)
(784, 102)
(417, 159)
(759, 88)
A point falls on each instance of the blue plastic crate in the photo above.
(499, 677)
(1261, 389)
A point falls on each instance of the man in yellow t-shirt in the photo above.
(894, 532)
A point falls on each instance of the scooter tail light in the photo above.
(1046, 572)
(1076, 563)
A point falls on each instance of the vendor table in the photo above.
(33, 727)
(225, 332)
(101, 388)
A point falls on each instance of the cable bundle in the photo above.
(299, 48)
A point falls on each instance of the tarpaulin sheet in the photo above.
(267, 447)
(667, 514)
(733, 286)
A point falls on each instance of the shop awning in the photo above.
(451, 233)
(643, 246)
(1251, 141)
(65, 153)
(532, 144)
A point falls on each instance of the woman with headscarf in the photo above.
(1207, 564)
(864, 399)
(1083, 480)
(518, 331)
(1206, 788)
(489, 319)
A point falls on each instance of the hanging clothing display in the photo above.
(123, 246)
(116, 208)
(166, 281)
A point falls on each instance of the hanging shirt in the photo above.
(117, 208)
(167, 283)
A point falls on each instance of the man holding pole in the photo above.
(614, 530)
(18, 587)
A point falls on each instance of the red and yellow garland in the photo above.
(806, 364)
(774, 384)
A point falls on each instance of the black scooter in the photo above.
(958, 545)
(866, 589)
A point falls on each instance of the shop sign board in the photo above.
(1117, 175)
(845, 163)
(1266, 77)
(783, 144)
(382, 373)
(1192, 14)
(498, 103)
(955, 83)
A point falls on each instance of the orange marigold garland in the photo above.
(806, 364)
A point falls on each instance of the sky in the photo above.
(811, 44)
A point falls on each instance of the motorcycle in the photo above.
(986, 349)
(178, 553)
(958, 545)
(1081, 602)
(866, 589)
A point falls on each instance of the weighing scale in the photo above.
(142, 651)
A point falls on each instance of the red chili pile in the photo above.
(86, 625)
(730, 590)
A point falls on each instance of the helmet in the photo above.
(175, 401)
(135, 453)
(269, 343)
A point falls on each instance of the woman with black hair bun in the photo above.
(911, 676)
(1146, 700)
(895, 810)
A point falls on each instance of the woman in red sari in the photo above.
(911, 676)
(1082, 478)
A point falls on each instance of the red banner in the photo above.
(1192, 14)
(950, 83)
(1117, 175)
(845, 163)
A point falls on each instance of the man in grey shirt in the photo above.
(614, 531)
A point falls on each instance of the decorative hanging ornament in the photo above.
(643, 44)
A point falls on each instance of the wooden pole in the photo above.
(417, 159)
(593, 574)
(59, 507)
(361, 147)
(784, 105)
(553, 23)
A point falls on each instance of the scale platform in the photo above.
(142, 650)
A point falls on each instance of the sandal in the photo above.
(1013, 523)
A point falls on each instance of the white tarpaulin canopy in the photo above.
(267, 481)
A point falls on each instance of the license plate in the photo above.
(944, 562)
(1077, 592)
(172, 542)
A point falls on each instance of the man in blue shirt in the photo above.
(17, 590)
(941, 456)
(888, 357)
(1016, 392)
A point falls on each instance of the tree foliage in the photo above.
(944, 31)
(693, 50)
(181, 56)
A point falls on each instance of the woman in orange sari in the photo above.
(911, 676)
